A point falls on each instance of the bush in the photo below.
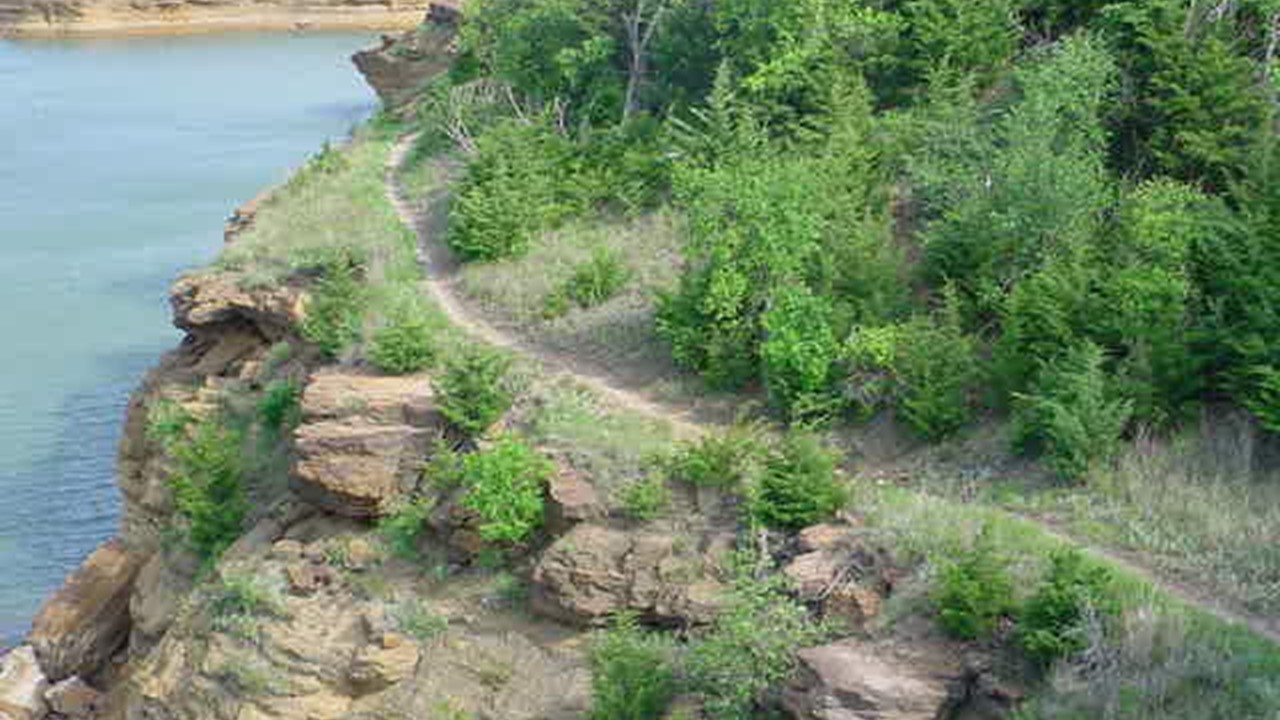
(936, 373)
(1068, 416)
(474, 390)
(723, 459)
(504, 487)
(798, 485)
(417, 620)
(596, 280)
(402, 347)
(401, 529)
(516, 184)
(926, 368)
(278, 407)
(645, 499)
(631, 678)
(973, 592)
(798, 353)
(1051, 623)
(208, 486)
(334, 309)
(749, 649)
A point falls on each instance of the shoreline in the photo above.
(191, 20)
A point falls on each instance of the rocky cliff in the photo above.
(96, 17)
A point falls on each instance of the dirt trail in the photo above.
(440, 269)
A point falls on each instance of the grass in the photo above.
(618, 329)
(1190, 505)
(1166, 661)
(613, 448)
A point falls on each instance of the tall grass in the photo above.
(1164, 660)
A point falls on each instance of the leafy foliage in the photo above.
(646, 498)
(974, 591)
(1050, 624)
(278, 407)
(748, 651)
(207, 479)
(631, 673)
(798, 484)
(504, 485)
(335, 309)
(474, 390)
(403, 346)
(401, 529)
(1070, 416)
(724, 459)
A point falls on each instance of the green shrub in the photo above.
(936, 372)
(401, 529)
(208, 485)
(402, 347)
(798, 484)
(597, 280)
(1051, 623)
(1069, 416)
(973, 591)
(926, 368)
(504, 486)
(474, 390)
(724, 459)
(749, 648)
(278, 407)
(798, 353)
(516, 184)
(631, 676)
(335, 309)
(646, 498)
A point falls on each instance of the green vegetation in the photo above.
(646, 498)
(592, 283)
(415, 619)
(973, 592)
(631, 674)
(504, 485)
(278, 407)
(727, 459)
(748, 652)
(402, 347)
(401, 529)
(475, 389)
(1053, 621)
(206, 476)
(798, 485)
(239, 599)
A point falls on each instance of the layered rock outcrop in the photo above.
(399, 66)
(42, 18)
(362, 441)
(81, 626)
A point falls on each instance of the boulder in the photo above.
(362, 441)
(594, 571)
(345, 396)
(86, 621)
(74, 699)
(206, 300)
(160, 586)
(383, 663)
(306, 578)
(358, 470)
(570, 500)
(398, 66)
(838, 570)
(22, 686)
(857, 680)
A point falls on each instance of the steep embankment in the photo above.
(46, 18)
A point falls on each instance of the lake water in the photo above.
(119, 160)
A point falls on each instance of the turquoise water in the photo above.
(119, 160)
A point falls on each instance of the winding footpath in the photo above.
(440, 282)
